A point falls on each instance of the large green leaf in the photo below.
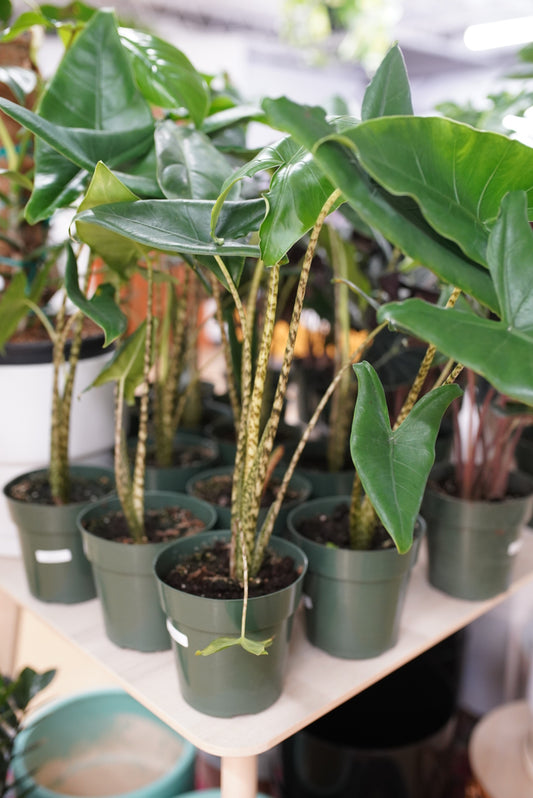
(13, 307)
(119, 252)
(458, 175)
(181, 226)
(297, 192)
(388, 93)
(127, 364)
(394, 465)
(189, 165)
(398, 219)
(102, 307)
(165, 75)
(500, 350)
(95, 112)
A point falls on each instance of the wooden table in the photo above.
(315, 683)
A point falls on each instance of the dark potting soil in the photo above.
(184, 456)
(217, 490)
(36, 489)
(333, 529)
(160, 524)
(206, 573)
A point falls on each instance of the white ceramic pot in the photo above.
(25, 410)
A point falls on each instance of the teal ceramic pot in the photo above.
(54, 561)
(230, 682)
(101, 742)
(299, 483)
(124, 575)
(175, 478)
(364, 591)
(472, 545)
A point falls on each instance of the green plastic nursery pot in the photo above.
(176, 477)
(363, 591)
(124, 575)
(472, 545)
(101, 743)
(54, 562)
(230, 682)
(298, 482)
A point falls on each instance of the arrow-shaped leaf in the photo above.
(398, 219)
(394, 465)
(165, 75)
(127, 364)
(388, 93)
(457, 174)
(501, 351)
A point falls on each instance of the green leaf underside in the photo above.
(101, 307)
(118, 252)
(397, 218)
(256, 647)
(127, 364)
(388, 93)
(394, 466)
(501, 351)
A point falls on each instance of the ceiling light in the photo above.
(504, 33)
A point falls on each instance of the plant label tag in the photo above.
(53, 556)
(308, 602)
(180, 638)
(514, 547)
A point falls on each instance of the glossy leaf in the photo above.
(499, 350)
(102, 307)
(181, 226)
(397, 218)
(118, 252)
(189, 165)
(230, 117)
(458, 175)
(165, 75)
(394, 465)
(297, 192)
(388, 93)
(127, 364)
(91, 110)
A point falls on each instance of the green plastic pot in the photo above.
(124, 576)
(353, 599)
(105, 739)
(54, 562)
(230, 682)
(472, 545)
(175, 478)
(298, 482)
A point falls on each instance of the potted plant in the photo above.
(249, 542)
(477, 504)
(127, 54)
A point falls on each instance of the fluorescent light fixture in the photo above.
(504, 33)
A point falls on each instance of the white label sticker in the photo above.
(308, 602)
(52, 556)
(514, 547)
(179, 637)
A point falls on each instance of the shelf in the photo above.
(315, 682)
